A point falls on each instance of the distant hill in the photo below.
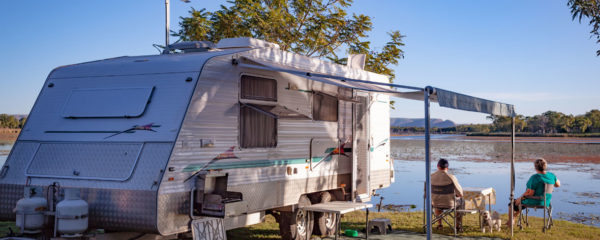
(420, 122)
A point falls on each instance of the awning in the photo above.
(445, 98)
(455, 100)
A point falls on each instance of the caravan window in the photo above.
(258, 125)
(107, 102)
(258, 88)
(258, 128)
(325, 107)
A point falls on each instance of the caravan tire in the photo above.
(325, 223)
(293, 225)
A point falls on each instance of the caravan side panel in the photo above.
(267, 177)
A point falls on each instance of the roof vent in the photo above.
(245, 42)
(193, 46)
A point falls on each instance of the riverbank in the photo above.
(412, 222)
(9, 135)
(527, 134)
(497, 149)
(530, 136)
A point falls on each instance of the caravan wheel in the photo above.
(325, 223)
(294, 225)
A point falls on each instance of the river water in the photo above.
(4, 150)
(485, 163)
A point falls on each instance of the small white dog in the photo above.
(491, 221)
(496, 221)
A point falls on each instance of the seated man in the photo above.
(446, 199)
(535, 187)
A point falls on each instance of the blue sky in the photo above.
(528, 53)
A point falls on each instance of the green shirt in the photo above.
(536, 183)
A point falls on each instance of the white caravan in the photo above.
(153, 142)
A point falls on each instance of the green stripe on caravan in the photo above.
(380, 144)
(251, 164)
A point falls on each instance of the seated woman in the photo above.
(535, 187)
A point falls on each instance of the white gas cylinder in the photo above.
(30, 210)
(72, 214)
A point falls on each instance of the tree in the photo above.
(591, 10)
(309, 27)
(581, 124)
(8, 121)
(22, 122)
(594, 117)
(553, 121)
(535, 124)
(565, 123)
(504, 124)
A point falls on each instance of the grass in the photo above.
(412, 221)
(4, 228)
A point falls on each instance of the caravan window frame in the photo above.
(254, 97)
(260, 102)
(318, 117)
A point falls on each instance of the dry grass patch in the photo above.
(413, 221)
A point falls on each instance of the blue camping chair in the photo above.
(548, 188)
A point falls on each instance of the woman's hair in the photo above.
(540, 164)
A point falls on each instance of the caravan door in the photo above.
(360, 148)
(381, 165)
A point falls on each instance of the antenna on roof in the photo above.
(167, 30)
(167, 10)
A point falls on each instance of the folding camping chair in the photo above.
(448, 213)
(547, 208)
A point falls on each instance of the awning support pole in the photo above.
(512, 177)
(428, 91)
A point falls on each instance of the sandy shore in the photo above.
(536, 139)
(9, 135)
(497, 149)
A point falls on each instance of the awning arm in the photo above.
(248, 105)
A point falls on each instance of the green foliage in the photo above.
(22, 122)
(309, 27)
(594, 117)
(591, 10)
(581, 124)
(549, 123)
(9, 121)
